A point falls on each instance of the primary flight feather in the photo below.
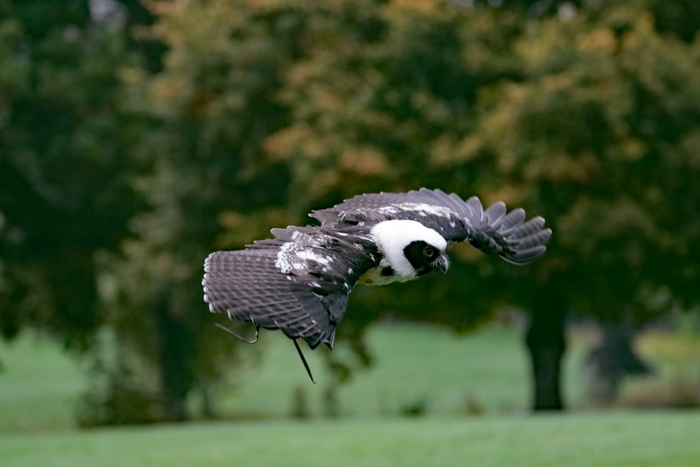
(299, 281)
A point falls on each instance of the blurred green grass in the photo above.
(445, 374)
(486, 371)
(483, 371)
(614, 439)
(40, 385)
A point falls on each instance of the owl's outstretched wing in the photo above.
(297, 282)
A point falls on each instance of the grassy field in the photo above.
(39, 386)
(485, 371)
(649, 439)
(415, 366)
(454, 378)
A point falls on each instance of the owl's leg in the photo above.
(242, 339)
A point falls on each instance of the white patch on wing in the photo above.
(426, 209)
(311, 256)
(296, 255)
(388, 209)
(283, 262)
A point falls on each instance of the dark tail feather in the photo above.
(303, 360)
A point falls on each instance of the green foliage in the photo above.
(596, 134)
(63, 166)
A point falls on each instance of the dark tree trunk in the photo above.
(174, 364)
(207, 409)
(546, 343)
(611, 361)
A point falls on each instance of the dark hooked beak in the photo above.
(442, 263)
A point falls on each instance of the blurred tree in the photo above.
(149, 137)
(610, 362)
(378, 97)
(573, 115)
(65, 160)
(262, 111)
(211, 107)
(596, 134)
(268, 109)
(63, 165)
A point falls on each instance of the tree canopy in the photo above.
(132, 144)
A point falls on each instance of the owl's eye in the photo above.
(429, 251)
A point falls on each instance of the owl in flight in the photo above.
(300, 280)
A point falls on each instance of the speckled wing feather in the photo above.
(494, 230)
(297, 282)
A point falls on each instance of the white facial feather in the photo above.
(393, 236)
